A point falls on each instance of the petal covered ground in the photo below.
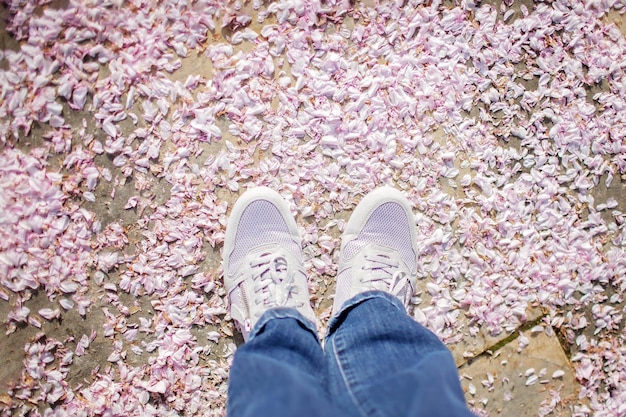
(129, 128)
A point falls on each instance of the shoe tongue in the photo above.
(400, 285)
(277, 269)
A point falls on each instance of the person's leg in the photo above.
(280, 368)
(381, 362)
(278, 371)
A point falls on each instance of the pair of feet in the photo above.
(263, 262)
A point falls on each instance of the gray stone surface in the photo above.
(517, 380)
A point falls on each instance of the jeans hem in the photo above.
(337, 319)
(282, 313)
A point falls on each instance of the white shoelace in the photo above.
(275, 283)
(385, 275)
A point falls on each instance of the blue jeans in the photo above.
(377, 361)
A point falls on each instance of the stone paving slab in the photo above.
(473, 346)
(521, 381)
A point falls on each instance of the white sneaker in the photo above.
(263, 265)
(378, 248)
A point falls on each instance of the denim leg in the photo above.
(383, 363)
(279, 370)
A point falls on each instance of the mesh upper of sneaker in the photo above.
(259, 228)
(260, 223)
(389, 226)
